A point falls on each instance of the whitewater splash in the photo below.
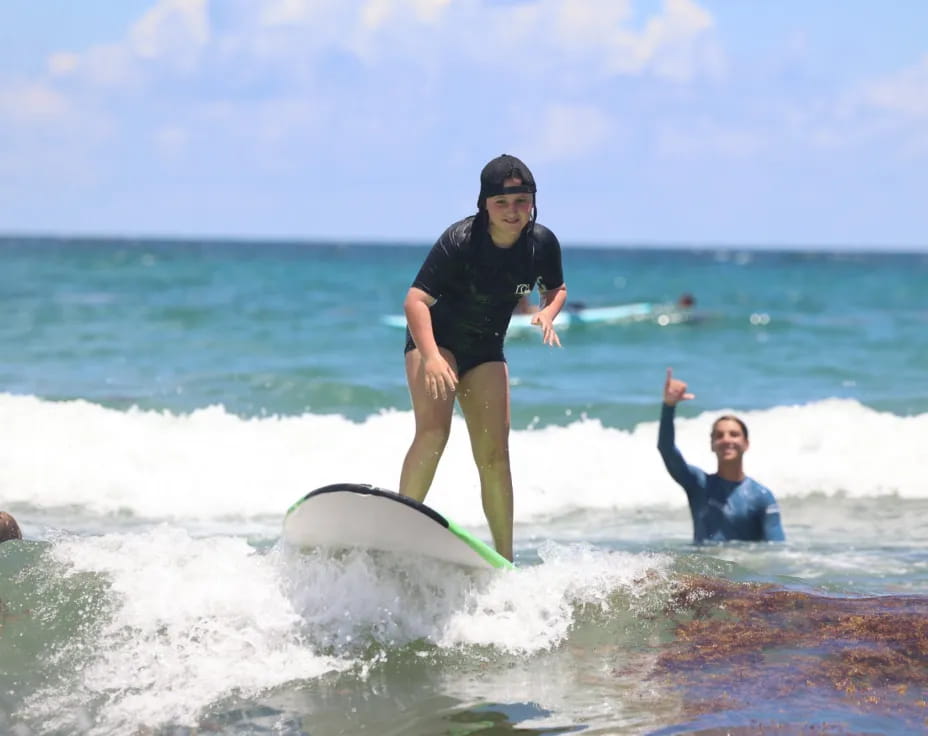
(157, 626)
(213, 465)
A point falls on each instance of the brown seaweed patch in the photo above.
(737, 644)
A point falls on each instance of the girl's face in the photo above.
(509, 213)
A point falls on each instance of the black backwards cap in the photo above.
(497, 171)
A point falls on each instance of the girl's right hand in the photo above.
(440, 378)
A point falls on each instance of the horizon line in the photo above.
(857, 248)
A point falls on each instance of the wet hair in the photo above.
(9, 529)
(494, 175)
(732, 417)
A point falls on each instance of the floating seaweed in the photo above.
(738, 645)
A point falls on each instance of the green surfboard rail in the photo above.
(487, 553)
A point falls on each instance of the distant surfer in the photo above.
(683, 305)
(726, 505)
(458, 310)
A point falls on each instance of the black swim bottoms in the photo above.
(467, 359)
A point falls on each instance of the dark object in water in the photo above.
(9, 529)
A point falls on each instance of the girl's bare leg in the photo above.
(483, 394)
(433, 424)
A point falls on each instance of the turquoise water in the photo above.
(163, 403)
(285, 329)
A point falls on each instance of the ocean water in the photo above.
(163, 403)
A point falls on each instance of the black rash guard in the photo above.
(477, 284)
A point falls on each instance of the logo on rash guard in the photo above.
(523, 289)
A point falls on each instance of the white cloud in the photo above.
(599, 36)
(671, 41)
(110, 66)
(288, 12)
(45, 139)
(569, 132)
(666, 45)
(891, 111)
(171, 35)
(540, 37)
(905, 93)
(706, 137)
(63, 63)
(171, 141)
(31, 102)
(376, 13)
(571, 43)
(292, 74)
(172, 30)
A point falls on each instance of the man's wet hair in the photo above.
(732, 417)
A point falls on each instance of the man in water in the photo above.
(727, 505)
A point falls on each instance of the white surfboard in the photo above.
(349, 515)
(617, 314)
(518, 322)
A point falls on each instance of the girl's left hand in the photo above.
(548, 333)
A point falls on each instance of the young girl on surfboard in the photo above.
(457, 311)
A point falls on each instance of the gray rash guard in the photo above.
(722, 510)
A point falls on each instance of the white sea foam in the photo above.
(534, 608)
(361, 596)
(211, 466)
(189, 622)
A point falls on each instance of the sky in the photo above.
(767, 123)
